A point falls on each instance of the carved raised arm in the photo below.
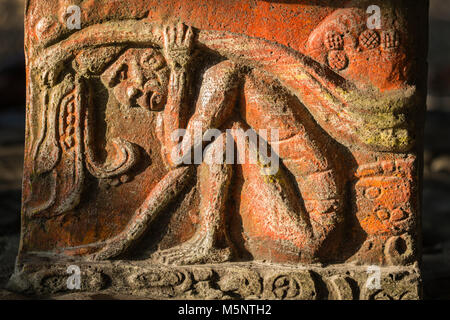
(178, 43)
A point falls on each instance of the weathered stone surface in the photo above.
(221, 281)
(102, 180)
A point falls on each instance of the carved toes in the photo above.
(193, 252)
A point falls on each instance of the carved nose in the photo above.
(136, 74)
(138, 80)
(132, 92)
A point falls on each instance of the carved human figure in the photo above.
(304, 211)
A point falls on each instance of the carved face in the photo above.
(139, 78)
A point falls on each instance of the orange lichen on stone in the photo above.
(146, 132)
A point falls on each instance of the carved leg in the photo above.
(308, 157)
(321, 190)
(272, 211)
(206, 246)
(276, 209)
(164, 192)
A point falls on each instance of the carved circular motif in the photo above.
(372, 193)
(369, 39)
(285, 287)
(291, 286)
(383, 214)
(334, 41)
(337, 60)
(399, 249)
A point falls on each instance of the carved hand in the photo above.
(178, 43)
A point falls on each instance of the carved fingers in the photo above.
(178, 37)
(178, 43)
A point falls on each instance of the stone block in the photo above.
(224, 149)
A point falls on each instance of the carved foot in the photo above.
(110, 250)
(198, 250)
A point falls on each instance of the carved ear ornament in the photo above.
(62, 148)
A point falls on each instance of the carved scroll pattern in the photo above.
(231, 282)
(62, 149)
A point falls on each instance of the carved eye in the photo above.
(148, 58)
(152, 60)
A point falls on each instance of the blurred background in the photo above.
(436, 211)
(12, 126)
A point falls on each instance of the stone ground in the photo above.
(436, 202)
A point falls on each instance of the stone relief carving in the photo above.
(230, 282)
(157, 80)
(164, 77)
